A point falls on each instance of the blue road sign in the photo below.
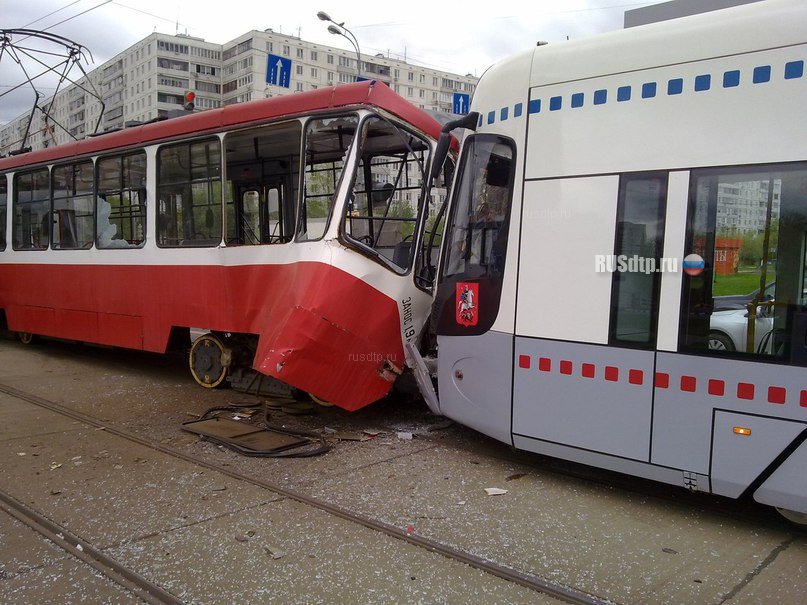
(278, 71)
(462, 102)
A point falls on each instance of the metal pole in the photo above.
(340, 29)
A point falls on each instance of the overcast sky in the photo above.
(461, 37)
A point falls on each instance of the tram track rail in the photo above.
(125, 577)
(527, 580)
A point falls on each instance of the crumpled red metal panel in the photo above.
(332, 337)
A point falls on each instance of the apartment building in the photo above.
(149, 80)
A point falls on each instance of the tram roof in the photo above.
(373, 93)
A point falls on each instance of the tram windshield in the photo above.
(472, 273)
(274, 194)
(478, 228)
(384, 206)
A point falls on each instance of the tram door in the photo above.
(585, 335)
(262, 213)
(742, 345)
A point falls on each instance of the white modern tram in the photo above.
(637, 149)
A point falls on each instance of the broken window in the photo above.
(384, 205)
(121, 201)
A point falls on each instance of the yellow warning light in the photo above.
(741, 430)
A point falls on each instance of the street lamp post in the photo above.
(339, 29)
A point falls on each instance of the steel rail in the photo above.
(527, 580)
(81, 549)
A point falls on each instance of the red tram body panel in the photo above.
(321, 329)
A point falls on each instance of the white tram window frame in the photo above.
(262, 170)
(31, 210)
(189, 200)
(387, 227)
(323, 180)
(73, 205)
(3, 210)
(130, 187)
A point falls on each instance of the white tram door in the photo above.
(641, 147)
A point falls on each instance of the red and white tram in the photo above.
(287, 232)
(637, 149)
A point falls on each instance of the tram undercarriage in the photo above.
(221, 359)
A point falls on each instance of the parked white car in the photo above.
(728, 331)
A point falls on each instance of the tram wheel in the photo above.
(26, 338)
(209, 361)
(793, 516)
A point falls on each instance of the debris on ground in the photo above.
(439, 426)
(515, 476)
(495, 491)
(256, 438)
(275, 554)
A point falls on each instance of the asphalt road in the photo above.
(204, 535)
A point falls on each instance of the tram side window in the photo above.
(750, 227)
(121, 201)
(385, 201)
(3, 207)
(73, 206)
(31, 227)
(263, 169)
(327, 142)
(639, 236)
(189, 194)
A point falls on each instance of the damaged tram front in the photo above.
(290, 237)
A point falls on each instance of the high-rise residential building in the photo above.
(743, 206)
(149, 80)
